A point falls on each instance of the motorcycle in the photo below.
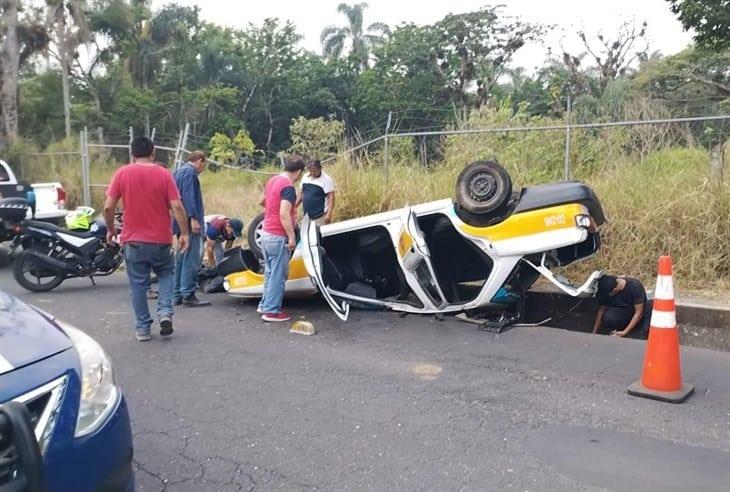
(51, 254)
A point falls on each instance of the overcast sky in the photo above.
(568, 16)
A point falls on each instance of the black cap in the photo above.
(606, 284)
(237, 226)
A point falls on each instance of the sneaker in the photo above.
(259, 310)
(152, 294)
(142, 337)
(275, 317)
(177, 301)
(165, 326)
(193, 301)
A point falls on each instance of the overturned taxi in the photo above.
(481, 251)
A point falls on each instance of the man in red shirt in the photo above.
(277, 238)
(149, 194)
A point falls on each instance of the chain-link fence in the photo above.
(566, 141)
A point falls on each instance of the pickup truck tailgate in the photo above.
(49, 203)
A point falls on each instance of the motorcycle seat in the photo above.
(54, 228)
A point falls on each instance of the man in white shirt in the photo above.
(317, 194)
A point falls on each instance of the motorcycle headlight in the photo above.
(99, 394)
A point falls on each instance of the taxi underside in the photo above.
(432, 258)
(428, 260)
(363, 265)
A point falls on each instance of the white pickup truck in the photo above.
(50, 198)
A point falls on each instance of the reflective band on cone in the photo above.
(664, 288)
(663, 319)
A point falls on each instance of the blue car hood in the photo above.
(25, 335)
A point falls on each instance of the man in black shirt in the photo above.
(623, 307)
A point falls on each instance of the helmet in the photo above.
(79, 219)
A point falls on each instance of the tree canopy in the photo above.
(121, 63)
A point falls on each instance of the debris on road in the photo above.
(303, 328)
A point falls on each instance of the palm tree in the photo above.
(66, 19)
(333, 38)
(9, 62)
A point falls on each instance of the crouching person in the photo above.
(220, 231)
(624, 310)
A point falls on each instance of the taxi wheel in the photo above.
(483, 188)
(255, 228)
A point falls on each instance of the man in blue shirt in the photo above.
(187, 263)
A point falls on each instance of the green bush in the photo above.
(316, 138)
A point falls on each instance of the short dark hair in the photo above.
(316, 163)
(142, 147)
(606, 284)
(294, 163)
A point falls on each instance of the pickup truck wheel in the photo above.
(483, 188)
(28, 275)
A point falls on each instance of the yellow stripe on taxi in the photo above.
(247, 278)
(528, 223)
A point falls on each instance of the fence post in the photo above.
(185, 138)
(177, 151)
(131, 137)
(82, 149)
(85, 160)
(182, 142)
(152, 135)
(566, 156)
(385, 145)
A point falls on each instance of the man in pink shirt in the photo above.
(148, 193)
(278, 239)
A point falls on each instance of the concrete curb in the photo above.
(702, 325)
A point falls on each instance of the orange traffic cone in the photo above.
(661, 378)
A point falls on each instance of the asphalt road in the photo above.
(389, 403)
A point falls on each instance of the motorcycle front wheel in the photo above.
(34, 277)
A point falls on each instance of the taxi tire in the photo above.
(483, 188)
(252, 235)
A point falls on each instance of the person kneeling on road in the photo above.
(220, 230)
(624, 310)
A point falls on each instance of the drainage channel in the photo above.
(699, 326)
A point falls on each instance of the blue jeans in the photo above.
(276, 256)
(141, 259)
(187, 265)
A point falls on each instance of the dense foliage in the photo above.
(113, 64)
